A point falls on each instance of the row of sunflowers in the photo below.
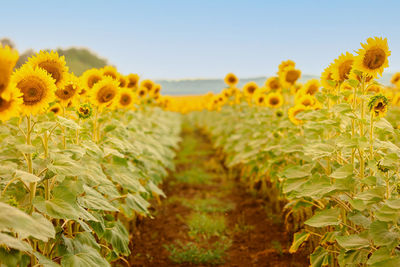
(326, 154)
(80, 159)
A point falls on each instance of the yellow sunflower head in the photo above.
(56, 109)
(374, 88)
(148, 84)
(156, 90)
(395, 80)
(327, 78)
(105, 93)
(84, 111)
(274, 100)
(89, 78)
(311, 87)
(122, 81)
(52, 63)
(378, 105)
(273, 84)
(294, 111)
(358, 76)
(8, 59)
(110, 71)
(69, 92)
(306, 100)
(132, 81)
(142, 92)
(10, 102)
(396, 99)
(372, 58)
(250, 88)
(259, 98)
(231, 79)
(289, 76)
(127, 99)
(37, 88)
(341, 67)
(285, 64)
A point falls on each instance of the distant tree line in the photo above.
(78, 59)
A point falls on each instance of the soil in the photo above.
(261, 242)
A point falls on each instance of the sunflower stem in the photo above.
(32, 186)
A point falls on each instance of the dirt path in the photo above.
(208, 219)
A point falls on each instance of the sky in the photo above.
(205, 38)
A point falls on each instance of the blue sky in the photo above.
(188, 39)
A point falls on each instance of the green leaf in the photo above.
(381, 235)
(352, 242)
(23, 224)
(320, 257)
(26, 176)
(95, 201)
(298, 239)
(14, 243)
(324, 218)
(81, 255)
(343, 172)
(297, 171)
(119, 238)
(45, 262)
(68, 123)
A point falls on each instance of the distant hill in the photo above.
(80, 59)
(202, 86)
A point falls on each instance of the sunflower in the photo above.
(395, 79)
(142, 92)
(148, 84)
(84, 111)
(132, 81)
(285, 64)
(374, 88)
(372, 58)
(110, 71)
(272, 83)
(227, 92)
(122, 81)
(311, 87)
(90, 77)
(156, 90)
(231, 79)
(289, 76)
(378, 105)
(37, 88)
(8, 59)
(259, 99)
(10, 103)
(396, 99)
(306, 100)
(250, 88)
(341, 67)
(346, 87)
(56, 109)
(358, 76)
(327, 78)
(104, 93)
(127, 99)
(294, 111)
(274, 100)
(69, 92)
(51, 63)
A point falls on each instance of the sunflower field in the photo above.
(82, 157)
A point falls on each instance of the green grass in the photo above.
(196, 254)
(204, 224)
(194, 176)
(208, 205)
